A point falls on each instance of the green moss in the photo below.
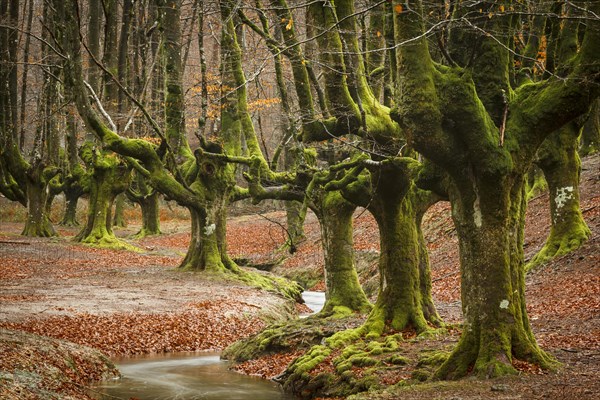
(392, 342)
(289, 336)
(112, 243)
(561, 243)
(310, 360)
(431, 334)
(344, 338)
(349, 351)
(538, 187)
(420, 375)
(367, 382)
(375, 348)
(358, 360)
(397, 359)
(560, 163)
(434, 358)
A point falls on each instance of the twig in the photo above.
(289, 235)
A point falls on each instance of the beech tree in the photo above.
(558, 156)
(350, 107)
(353, 108)
(27, 179)
(203, 184)
(470, 120)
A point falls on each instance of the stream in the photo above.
(190, 376)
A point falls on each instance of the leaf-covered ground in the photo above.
(119, 302)
(127, 303)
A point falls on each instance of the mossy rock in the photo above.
(291, 335)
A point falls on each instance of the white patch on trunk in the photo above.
(504, 304)
(209, 229)
(563, 194)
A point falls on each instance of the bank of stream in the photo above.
(190, 376)
(184, 376)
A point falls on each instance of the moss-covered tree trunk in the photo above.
(207, 251)
(343, 291)
(590, 135)
(395, 206)
(150, 215)
(38, 220)
(109, 178)
(559, 160)
(76, 182)
(118, 219)
(70, 215)
(486, 141)
(295, 210)
(489, 217)
(421, 202)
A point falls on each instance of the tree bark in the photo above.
(448, 123)
(109, 177)
(405, 282)
(559, 160)
(38, 222)
(489, 217)
(343, 291)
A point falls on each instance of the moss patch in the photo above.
(350, 362)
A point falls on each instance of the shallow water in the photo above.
(184, 377)
(314, 300)
(190, 376)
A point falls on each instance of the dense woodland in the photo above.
(328, 106)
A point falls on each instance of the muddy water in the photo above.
(184, 377)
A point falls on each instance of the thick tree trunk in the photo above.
(399, 304)
(489, 217)
(70, 215)
(38, 222)
(590, 136)
(76, 182)
(559, 160)
(421, 201)
(343, 290)
(295, 210)
(108, 180)
(295, 214)
(150, 216)
(207, 251)
(118, 219)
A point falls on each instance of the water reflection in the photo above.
(185, 377)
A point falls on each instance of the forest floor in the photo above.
(121, 302)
